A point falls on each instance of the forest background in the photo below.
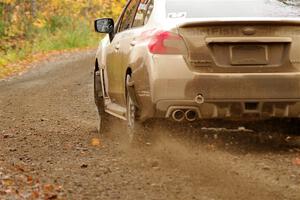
(31, 27)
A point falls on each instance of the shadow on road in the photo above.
(269, 136)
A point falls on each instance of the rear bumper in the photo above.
(226, 95)
(171, 78)
(267, 86)
(235, 110)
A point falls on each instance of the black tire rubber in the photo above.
(134, 127)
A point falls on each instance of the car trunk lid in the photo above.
(242, 46)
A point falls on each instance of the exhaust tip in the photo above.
(178, 115)
(191, 115)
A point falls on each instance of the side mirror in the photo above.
(104, 25)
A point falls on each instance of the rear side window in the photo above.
(149, 11)
(129, 15)
(232, 8)
(143, 13)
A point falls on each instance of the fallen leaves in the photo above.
(95, 142)
(11, 68)
(35, 195)
(29, 179)
(48, 188)
(296, 162)
(16, 182)
(7, 182)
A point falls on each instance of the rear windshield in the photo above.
(232, 8)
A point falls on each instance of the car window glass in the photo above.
(141, 14)
(129, 15)
(149, 11)
(232, 8)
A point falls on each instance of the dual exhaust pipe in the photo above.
(180, 115)
(188, 114)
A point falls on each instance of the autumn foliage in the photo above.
(31, 26)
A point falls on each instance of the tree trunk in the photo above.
(33, 8)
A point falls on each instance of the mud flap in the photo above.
(131, 92)
(97, 85)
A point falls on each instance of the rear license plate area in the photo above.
(248, 54)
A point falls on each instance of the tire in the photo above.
(134, 127)
(99, 101)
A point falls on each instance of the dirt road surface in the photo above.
(50, 148)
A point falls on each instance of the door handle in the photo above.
(133, 43)
(117, 46)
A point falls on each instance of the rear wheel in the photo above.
(134, 127)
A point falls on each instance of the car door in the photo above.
(133, 34)
(115, 54)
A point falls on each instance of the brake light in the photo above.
(163, 42)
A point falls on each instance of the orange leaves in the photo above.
(48, 188)
(27, 27)
(40, 23)
(17, 182)
(296, 162)
(95, 142)
(9, 1)
(20, 15)
(7, 182)
(35, 195)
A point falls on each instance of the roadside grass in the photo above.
(51, 38)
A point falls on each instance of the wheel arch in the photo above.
(96, 65)
(129, 87)
(128, 72)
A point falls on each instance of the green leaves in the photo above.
(32, 26)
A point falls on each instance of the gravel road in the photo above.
(50, 148)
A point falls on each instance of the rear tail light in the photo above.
(164, 42)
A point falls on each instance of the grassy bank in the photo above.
(63, 35)
(33, 28)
